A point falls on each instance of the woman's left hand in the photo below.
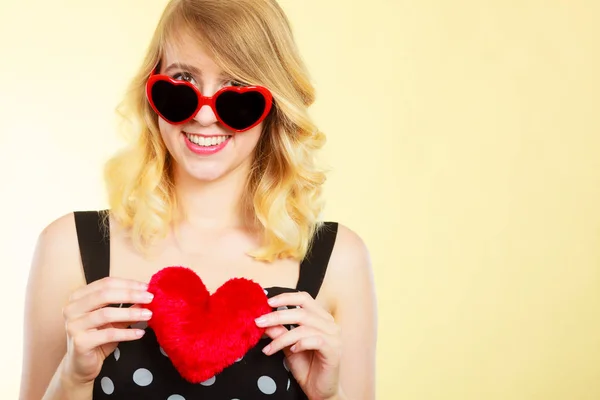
(312, 349)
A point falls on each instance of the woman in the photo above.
(226, 187)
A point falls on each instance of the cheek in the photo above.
(251, 137)
(164, 127)
(168, 133)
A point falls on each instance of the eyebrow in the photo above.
(177, 65)
(190, 68)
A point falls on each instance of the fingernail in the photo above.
(146, 314)
(293, 348)
(139, 332)
(148, 296)
(260, 321)
(266, 349)
(272, 301)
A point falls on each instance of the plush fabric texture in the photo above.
(201, 333)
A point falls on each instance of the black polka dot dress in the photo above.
(141, 369)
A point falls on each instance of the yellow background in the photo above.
(464, 140)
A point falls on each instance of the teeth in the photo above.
(206, 141)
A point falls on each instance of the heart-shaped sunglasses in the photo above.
(238, 108)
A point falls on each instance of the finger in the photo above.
(275, 331)
(296, 316)
(320, 343)
(287, 339)
(104, 297)
(107, 315)
(126, 324)
(108, 283)
(89, 340)
(300, 299)
(291, 338)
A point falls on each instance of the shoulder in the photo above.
(350, 259)
(56, 254)
(59, 236)
(350, 250)
(350, 271)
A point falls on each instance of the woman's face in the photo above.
(203, 148)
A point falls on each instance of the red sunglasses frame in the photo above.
(208, 100)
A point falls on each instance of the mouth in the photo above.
(204, 141)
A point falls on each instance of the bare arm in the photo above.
(55, 273)
(69, 328)
(350, 281)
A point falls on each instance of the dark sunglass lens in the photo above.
(175, 103)
(240, 110)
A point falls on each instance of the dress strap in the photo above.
(314, 265)
(93, 235)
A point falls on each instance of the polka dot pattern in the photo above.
(209, 381)
(142, 377)
(266, 385)
(107, 385)
(142, 369)
(163, 352)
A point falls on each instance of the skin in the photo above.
(69, 331)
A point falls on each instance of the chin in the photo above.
(212, 169)
(204, 174)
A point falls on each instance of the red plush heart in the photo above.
(203, 334)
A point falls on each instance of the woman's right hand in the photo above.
(94, 329)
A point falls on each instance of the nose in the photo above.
(205, 116)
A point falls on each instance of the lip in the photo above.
(205, 150)
(203, 135)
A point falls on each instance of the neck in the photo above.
(211, 205)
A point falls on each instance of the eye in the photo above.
(184, 76)
(235, 83)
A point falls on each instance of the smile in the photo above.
(206, 141)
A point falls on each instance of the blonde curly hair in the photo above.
(253, 42)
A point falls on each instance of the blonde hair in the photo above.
(253, 42)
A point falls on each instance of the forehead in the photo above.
(185, 49)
